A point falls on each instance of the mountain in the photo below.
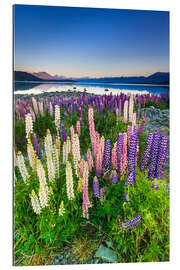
(25, 76)
(43, 75)
(156, 78)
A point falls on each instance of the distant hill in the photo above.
(25, 76)
(156, 78)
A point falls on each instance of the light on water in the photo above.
(35, 88)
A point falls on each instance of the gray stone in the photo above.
(106, 254)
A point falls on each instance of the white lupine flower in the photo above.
(57, 116)
(76, 151)
(50, 166)
(35, 106)
(61, 209)
(48, 143)
(43, 195)
(33, 115)
(41, 173)
(51, 109)
(134, 120)
(131, 107)
(68, 145)
(22, 167)
(41, 109)
(31, 155)
(125, 111)
(56, 159)
(69, 181)
(29, 124)
(65, 153)
(35, 203)
(58, 144)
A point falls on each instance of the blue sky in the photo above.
(78, 42)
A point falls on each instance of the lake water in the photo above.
(95, 88)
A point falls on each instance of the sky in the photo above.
(90, 42)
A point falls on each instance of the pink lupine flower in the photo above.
(134, 120)
(125, 111)
(81, 167)
(72, 132)
(102, 141)
(124, 155)
(86, 203)
(90, 160)
(114, 156)
(78, 128)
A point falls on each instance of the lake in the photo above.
(94, 88)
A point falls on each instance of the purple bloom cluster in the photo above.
(96, 187)
(147, 153)
(114, 177)
(64, 134)
(107, 154)
(162, 157)
(120, 141)
(132, 153)
(152, 172)
(132, 223)
(36, 146)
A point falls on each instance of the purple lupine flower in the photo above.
(114, 177)
(120, 107)
(130, 179)
(147, 152)
(139, 110)
(132, 152)
(161, 157)
(36, 146)
(96, 187)
(64, 135)
(107, 154)
(132, 223)
(120, 141)
(152, 172)
(101, 108)
(126, 197)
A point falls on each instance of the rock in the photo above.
(106, 254)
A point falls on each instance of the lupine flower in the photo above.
(64, 135)
(61, 209)
(72, 132)
(29, 124)
(130, 179)
(69, 181)
(102, 191)
(125, 111)
(162, 157)
(55, 157)
(22, 167)
(78, 129)
(58, 144)
(155, 185)
(41, 109)
(33, 115)
(68, 143)
(129, 133)
(147, 152)
(90, 160)
(96, 187)
(50, 109)
(132, 153)
(124, 154)
(51, 169)
(41, 173)
(86, 203)
(43, 195)
(98, 164)
(152, 172)
(134, 120)
(114, 156)
(35, 203)
(139, 110)
(132, 223)
(31, 155)
(35, 106)
(65, 152)
(131, 107)
(107, 154)
(36, 146)
(48, 143)
(57, 116)
(114, 177)
(120, 142)
(81, 167)
(76, 151)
